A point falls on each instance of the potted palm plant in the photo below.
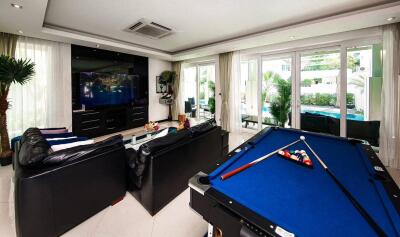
(11, 71)
(168, 78)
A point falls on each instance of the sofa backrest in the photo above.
(35, 151)
(364, 130)
(314, 123)
(168, 170)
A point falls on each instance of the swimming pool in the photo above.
(357, 117)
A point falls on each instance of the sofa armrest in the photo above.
(169, 170)
(50, 201)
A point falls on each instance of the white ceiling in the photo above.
(196, 22)
(202, 27)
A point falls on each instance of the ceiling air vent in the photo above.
(149, 29)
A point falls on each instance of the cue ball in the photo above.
(302, 138)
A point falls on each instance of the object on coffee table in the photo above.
(151, 126)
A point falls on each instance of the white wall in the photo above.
(157, 111)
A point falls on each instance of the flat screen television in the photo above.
(104, 78)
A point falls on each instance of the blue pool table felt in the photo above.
(306, 201)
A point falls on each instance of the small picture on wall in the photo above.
(161, 87)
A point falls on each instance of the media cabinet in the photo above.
(103, 121)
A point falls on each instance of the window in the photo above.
(319, 91)
(316, 90)
(364, 87)
(44, 101)
(249, 94)
(199, 91)
(276, 92)
(285, 67)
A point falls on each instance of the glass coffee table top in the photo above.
(136, 139)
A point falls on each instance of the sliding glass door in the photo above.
(206, 91)
(364, 88)
(249, 94)
(190, 91)
(320, 91)
(276, 91)
(199, 91)
(333, 90)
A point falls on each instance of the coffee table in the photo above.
(136, 139)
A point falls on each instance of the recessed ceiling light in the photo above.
(16, 6)
(97, 46)
(391, 18)
(20, 31)
(292, 37)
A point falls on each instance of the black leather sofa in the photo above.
(364, 130)
(159, 170)
(55, 192)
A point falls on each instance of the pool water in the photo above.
(357, 117)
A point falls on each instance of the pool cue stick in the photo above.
(378, 230)
(248, 165)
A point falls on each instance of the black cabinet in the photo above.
(94, 123)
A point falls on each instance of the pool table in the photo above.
(277, 197)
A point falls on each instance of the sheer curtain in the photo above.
(234, 99)
(45, 101)
(389, 145)
(225, 76)
(177, 107)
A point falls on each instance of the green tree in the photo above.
(280, 104)
(270, 79)
(306, 82)
(211, 99)
(320, 62)
(353, 63)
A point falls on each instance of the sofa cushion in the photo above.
(64, 146)
(59, 141)
(203, 127)
(34, 148)
(53, 131)
(59, 135)
(78, 152)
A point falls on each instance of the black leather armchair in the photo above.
(59, 191)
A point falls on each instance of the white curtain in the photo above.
(177, 107)
(234, 100)
(225, 77)
(45, 101)
(389, 145)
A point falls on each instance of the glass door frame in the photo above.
(197, 66)
(295, 55)
(258, 59)
(270, 57)
(342, 84)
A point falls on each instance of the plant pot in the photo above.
(6, 158)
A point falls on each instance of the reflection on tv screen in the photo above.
(106, 89)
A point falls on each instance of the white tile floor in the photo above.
(128, 217)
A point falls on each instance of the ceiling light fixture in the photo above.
(20, 31)
(97, 46)
(16, 6)
(292, 37)
(391, 18)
